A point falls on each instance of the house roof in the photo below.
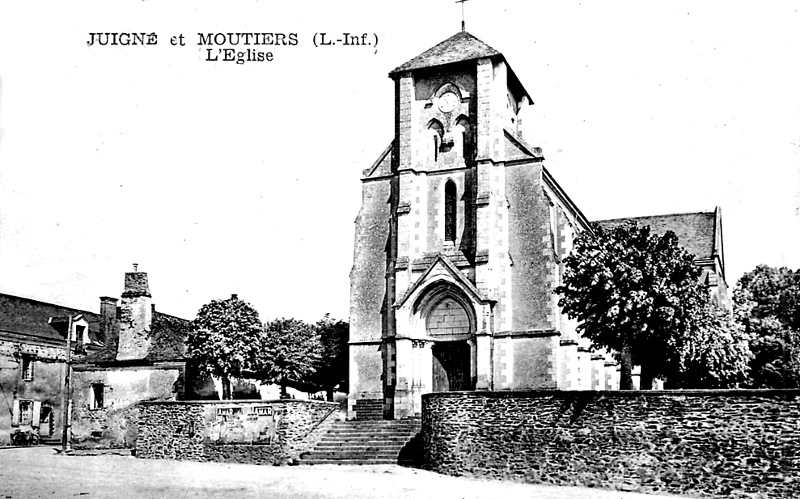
(26, 317)
(168, 337)
(167, 342)
(696, 231)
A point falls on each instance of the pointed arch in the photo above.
(435, 134)
(441, 293)
(462, 137)
(449, 87)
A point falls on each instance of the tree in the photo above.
(769, 292)
(225, 339)
(332, 370)
(766, 302)
(714, 354)
(776, 354)
(291, 352)
(635, 293)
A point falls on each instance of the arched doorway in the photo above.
(439, 334)
(450, 323)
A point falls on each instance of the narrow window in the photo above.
(25, 412)
(463, 137)
(450, 200)
(27, 368)
(80, 332)
(436, 131)
(97, 395)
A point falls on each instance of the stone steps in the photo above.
(350, 462)
(352, 455)
(365, 441)
(369, 410)
(372, 432)
(362, 442)
(359, 446)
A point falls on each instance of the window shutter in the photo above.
(37, 410)
(15, 413)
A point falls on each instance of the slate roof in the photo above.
(460, 47)
(518, 148)
(167, 342)
(28, 317)
(695, 231)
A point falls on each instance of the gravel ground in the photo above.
(40, 472)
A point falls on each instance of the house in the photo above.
(33, 343)
(143, 359)
(127, 353)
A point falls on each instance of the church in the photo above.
(459, 243)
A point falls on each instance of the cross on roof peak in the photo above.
(462, 14)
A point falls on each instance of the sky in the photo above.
(219, 178)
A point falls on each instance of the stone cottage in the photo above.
(143, 359)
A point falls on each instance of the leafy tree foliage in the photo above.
(776, 354)
(769, 292)
(635, 293)
(332, 369)
(714, 354)
(290, 352)
(767, 304)
(225, 339)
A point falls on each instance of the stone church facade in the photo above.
(458, 244)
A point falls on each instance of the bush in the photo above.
(25, 437)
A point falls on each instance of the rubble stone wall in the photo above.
(728, 443)
(114, 424)
(182, 430)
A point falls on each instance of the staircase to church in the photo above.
(363, 442)
(369, 409)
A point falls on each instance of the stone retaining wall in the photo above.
(254, 431)
(114, 424)
(730, 443)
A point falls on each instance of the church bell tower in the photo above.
(431, 281)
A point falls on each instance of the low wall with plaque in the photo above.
(254, 431)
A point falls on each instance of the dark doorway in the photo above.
(46, 421)
(451, 366)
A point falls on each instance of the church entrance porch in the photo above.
(438, 346)
(452, 362)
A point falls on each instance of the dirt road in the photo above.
(40, 472)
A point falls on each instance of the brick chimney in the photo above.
(136, 317)
(108, 318)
